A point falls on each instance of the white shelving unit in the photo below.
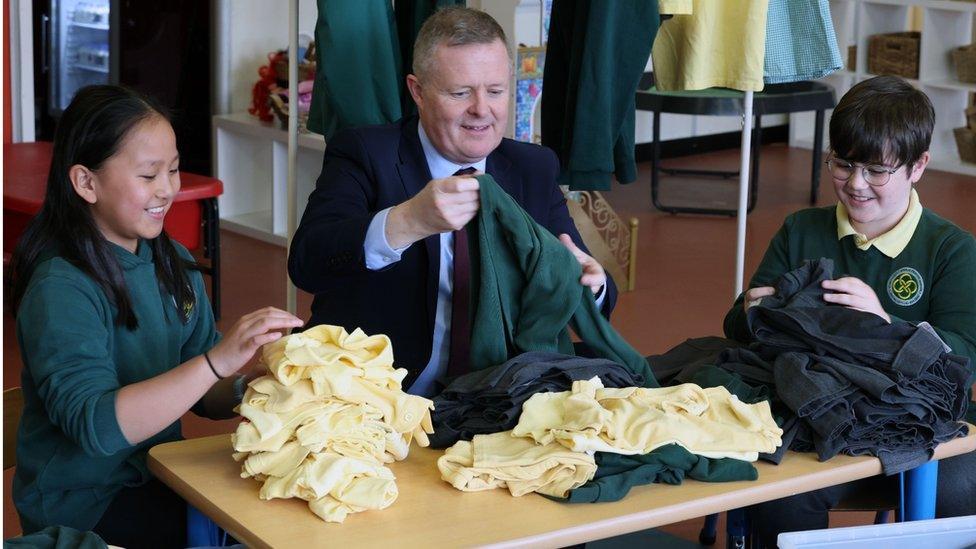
(945, 25)
(251, 159)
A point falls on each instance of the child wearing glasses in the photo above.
(898, 259)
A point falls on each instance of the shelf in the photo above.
(251, 158)
(245, 123)
(91, 68)
(949, 84)
(255, 225)
(913, 81)
(950, 5)
(89, 26)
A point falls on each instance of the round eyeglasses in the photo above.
(875, 175)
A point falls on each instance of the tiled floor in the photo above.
(684, 276)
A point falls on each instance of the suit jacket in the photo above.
(368, 169)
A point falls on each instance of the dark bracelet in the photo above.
(212, 369)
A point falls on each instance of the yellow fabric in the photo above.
(500, 460)
(326, 419)
(675, 7)
(890, 243)
(352, 367)
(709, 422)
(720, 44)
(329, 355)
(335, 486)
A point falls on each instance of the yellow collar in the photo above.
(890, 243)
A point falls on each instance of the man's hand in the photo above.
(442, 205)
(593, 274)
(754, 296)
(853, 293)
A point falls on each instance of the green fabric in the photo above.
(669, 464)
(595, 58)
(410, 16)
(942, 253)
(57, 537)
(71, 455)
(365, 51)
(358, 75)
(526, 290)
(713, 376)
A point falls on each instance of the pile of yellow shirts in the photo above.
(551, 449)
(709, 422)
(500, 460)
(326, 419)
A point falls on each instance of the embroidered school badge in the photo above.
(905, 286)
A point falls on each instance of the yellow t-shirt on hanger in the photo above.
(720, 44)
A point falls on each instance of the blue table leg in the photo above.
(200, 531)
(918, 492)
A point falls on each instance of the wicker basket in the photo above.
(966, 143)
(895, 53)
(971, 116)
(965, 60)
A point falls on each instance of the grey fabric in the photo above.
(681, 362)
(490, 400)
(861, 385)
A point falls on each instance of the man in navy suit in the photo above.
(376, 242)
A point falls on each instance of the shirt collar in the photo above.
(890, 243)
(441, 167)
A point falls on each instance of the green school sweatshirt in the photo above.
(72, 458)
(526, 291)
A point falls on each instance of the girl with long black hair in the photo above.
(115, 329)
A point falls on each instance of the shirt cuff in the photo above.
(379, 253)
(600, 296)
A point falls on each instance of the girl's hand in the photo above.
(853, 293)
(249, 333)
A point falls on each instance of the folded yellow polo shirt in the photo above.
(346, 485)
(326, 419)
(330, 356)
(351, 367)
(709, 422)
(500, 460)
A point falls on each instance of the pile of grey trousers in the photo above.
(856, 384)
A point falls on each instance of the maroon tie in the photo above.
(460, 353)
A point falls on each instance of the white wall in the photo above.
(20, 42)
(246, 31)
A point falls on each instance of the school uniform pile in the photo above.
(563, 438)
(325, 421)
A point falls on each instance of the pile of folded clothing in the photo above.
(490, 400)
(325, 421)
(638, 435)
(842, 380)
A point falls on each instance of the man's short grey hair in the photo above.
(454, 26)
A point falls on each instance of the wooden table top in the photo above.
(431, 512)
